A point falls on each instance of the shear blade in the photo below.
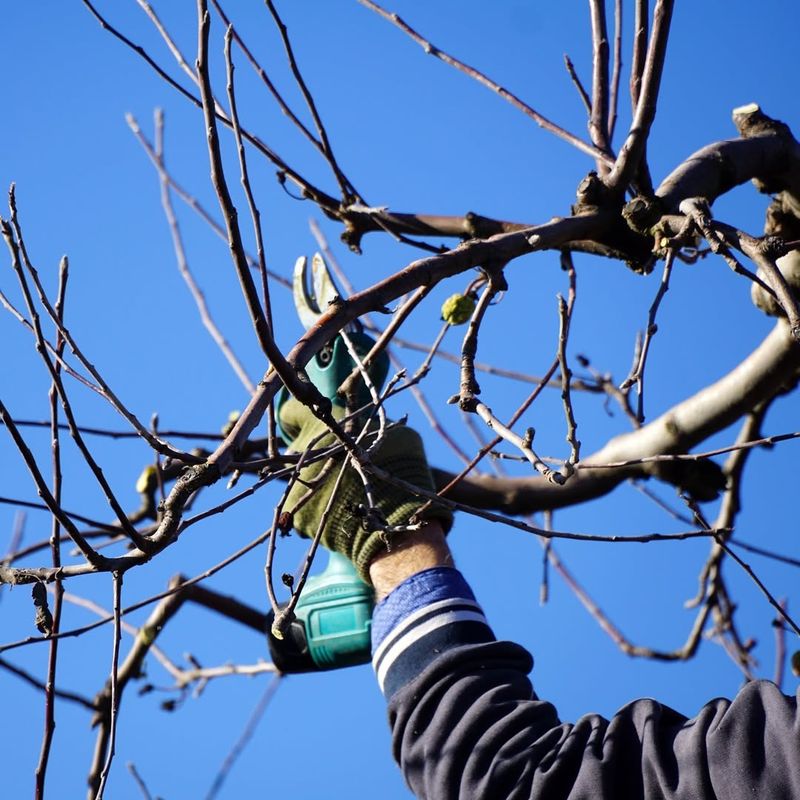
(312, 293)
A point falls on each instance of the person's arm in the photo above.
(466, 723)
(408, 555)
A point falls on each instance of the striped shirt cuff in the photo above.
(429, 613)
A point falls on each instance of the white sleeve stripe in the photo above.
(412, 636)
(412, 618)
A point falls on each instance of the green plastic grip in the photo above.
(333, 617)
(336, 611)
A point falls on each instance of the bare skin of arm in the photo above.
(409, 555)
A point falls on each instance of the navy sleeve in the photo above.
(466, 723)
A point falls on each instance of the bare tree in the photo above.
(620, 434)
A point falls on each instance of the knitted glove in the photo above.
(400, 452)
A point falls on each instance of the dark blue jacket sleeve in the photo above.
(467, 724)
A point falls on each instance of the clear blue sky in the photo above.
(415, 135)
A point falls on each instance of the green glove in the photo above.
(400, 453)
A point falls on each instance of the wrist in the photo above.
(409, 555)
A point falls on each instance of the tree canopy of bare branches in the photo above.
(614, 420)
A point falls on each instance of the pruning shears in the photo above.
(333, 616)
(314, 290)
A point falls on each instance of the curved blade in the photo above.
(304, 303)
(312, 293)
(325, 290)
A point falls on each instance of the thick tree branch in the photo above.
(762, 375)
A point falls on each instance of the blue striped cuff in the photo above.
(428, 613)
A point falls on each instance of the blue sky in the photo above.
(415, 135)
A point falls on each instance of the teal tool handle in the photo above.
(332, 624)
(333, 616)
(332, 364)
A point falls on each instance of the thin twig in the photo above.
(284, 170)
(582, 93)
(515, 523)
(142, 786)
(469, 386)
(651, 495)
(433, 420)
(616, 71)
(547, 547)
(244, 738)
(17, 535)
(749, 445)
(89, 553)
(277, 523)
(255, 216)
(131, 630)
(565, 310)
(75, 632)
(202, 675)
(523, 443)
(19, 254)
(219, 181)
(116, 434)
(579, 384)
(265, 79)
(284, 616)
(113, 699)
(481, 78)
(749, 570)
(637, 376)
(598, 119)
(711, 579)
(751, 548)
(631, 153)
(399, 316)
(696, 208)
(726, 632)
(51, 348)
(302, 390)
(71, 697)
(55, 549)
(17, 248)
(183, 264)
(368, 382)
(605, 383)
(349, 194)
(683, 653)
(489, 446)
(641, 25)
(780, 647)
(191, 201)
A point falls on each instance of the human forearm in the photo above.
(409, 555)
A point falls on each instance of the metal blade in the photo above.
(325, 290)
(305, 304)
(312, 293)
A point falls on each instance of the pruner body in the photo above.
(332, 619)
(314, 291)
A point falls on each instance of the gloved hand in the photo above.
(400, 452)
